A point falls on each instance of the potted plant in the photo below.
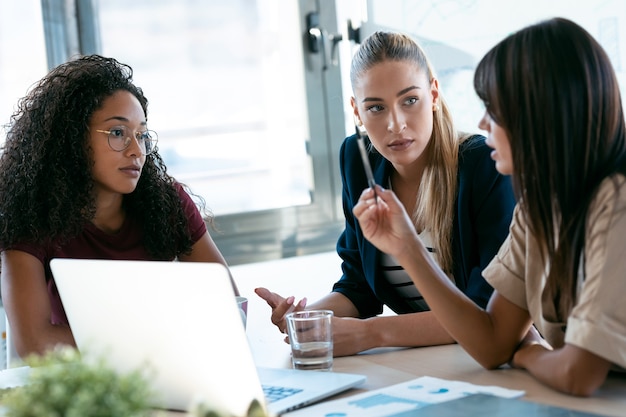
(61, 383)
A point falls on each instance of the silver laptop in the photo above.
(180, 322)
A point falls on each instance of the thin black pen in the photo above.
(366, 161)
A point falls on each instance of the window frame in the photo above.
(71, 28)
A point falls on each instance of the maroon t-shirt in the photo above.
(93, 243)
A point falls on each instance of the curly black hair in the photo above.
(46, 186)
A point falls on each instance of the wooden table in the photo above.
(313, 275)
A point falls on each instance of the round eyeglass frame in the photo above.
(145, 149)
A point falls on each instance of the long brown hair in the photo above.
(434, 207)
(552, 88)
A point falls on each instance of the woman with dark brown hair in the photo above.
(555, 121)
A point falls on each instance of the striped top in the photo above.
(400, 280)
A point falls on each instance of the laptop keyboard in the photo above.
(278, 393)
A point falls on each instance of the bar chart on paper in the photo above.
(406, 396)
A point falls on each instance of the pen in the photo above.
(366, 162)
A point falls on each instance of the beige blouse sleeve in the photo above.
(598, 321)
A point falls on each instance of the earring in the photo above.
(435, 107)
(359, 123)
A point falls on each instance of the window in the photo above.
(23, 61)
(243, 114)
(456, 35)
(225, 83)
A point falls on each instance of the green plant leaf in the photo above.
(62, 384)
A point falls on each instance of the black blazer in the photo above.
(484, 208)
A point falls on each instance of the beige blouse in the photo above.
(598, 320)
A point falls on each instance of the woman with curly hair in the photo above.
(81, 177)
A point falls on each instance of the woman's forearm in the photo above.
(352, 335)
(408, 330)
(338, 303)
(41, 341)
(489, 336)
(570, 369)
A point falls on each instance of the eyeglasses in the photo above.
(120, 139)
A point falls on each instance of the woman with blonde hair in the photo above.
(460, 205)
